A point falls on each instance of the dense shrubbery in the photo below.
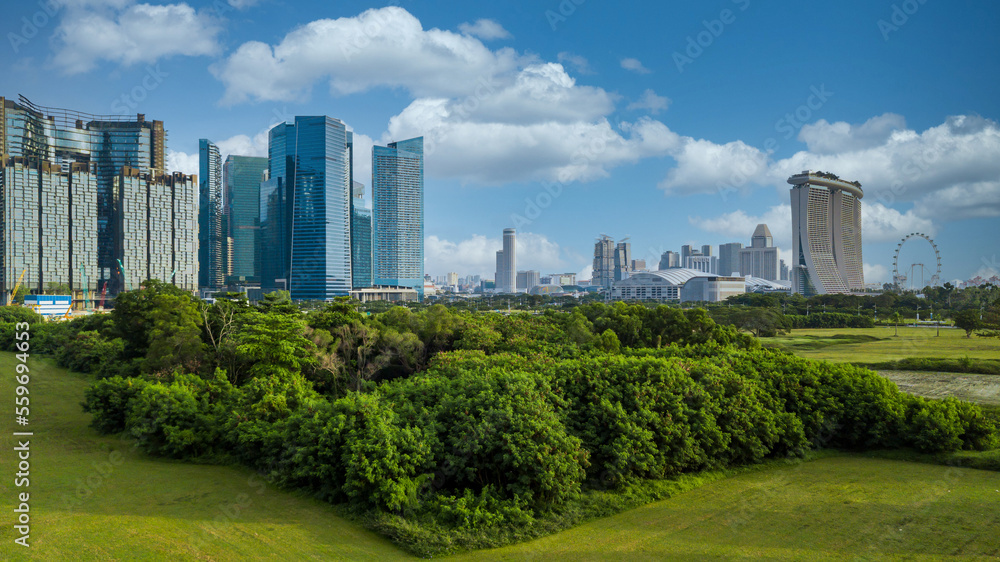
(437, 423)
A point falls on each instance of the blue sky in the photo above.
(668, 122)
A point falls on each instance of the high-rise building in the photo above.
(451, 278)
(242, 176)
(623, 260)
(782, 270)
(305, 210)
(760, 259)
(526, 280)
(826, 234)
(604, 262)
(398, 214)
(638, 265)
(705, 264)
(706, 250)
(81, 193)
(211, 240)
(509, 261)
(669, 260)
(686, 252)
(499, 282)
(729, 258)
(361, 247)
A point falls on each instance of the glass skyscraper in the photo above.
(82, 191)
(242, 176)
(398, 214)
(211, 241)
(305, 209)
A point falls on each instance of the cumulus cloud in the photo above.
(487, 30)
(477, 255)
(738, 226)
(140, 33)
(385, 47)
(883, 224)
(579, 63)
(832, 138)
(634, 65)
(182, 162)
(650, 101)
(706, 167)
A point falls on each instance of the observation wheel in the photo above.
(899, 279)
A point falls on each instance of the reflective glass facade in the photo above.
(398, 214)
(305, 208)
(242, 178)
(361, 247)
(212, 250)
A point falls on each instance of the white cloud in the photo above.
(634, 65)
(965, 200)
(876, 273)
(831, 138)
(477, 255)
(182, 162)
(384, 47)
(884, 224)
(707, 167)
(579, 63)
(140, 33)
(649, 100)
(484, 29)
(243, 4)
(738, 226)
(585, 274)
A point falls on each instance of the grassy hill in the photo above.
(95, 498)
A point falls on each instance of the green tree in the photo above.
(969, 321)
(896, 318)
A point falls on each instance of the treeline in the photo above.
(449, 430)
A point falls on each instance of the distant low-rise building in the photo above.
(679, 285)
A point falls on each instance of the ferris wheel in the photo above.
(899, 279)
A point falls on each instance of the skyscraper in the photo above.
(760, 259)
(81, 192)
(706, 250)
(826, 234)
(211, 240)
(498, 281)
(398, 214)
(509, 260)
(604, 261)
(623, 260)
(305, 210)
(729, 258)
(669, 260)
(242, 176)
(361, 239)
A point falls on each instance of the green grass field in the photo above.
(872, 345)
(89, 503)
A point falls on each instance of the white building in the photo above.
(679, 284)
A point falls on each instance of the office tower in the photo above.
(242, 176)
(398, 214)
(451, 278)
(508, 262)
(706, 264)
(826, 234)
(211, 243)
(305, 210)
(361, 247)
(729, 258)
(623, 260)
(65, 219)
(604, 261)
(782, 270)
(706, 250)
(638, 265)
(526, 280)
(669, 260)
(686, 252)
(760, 259)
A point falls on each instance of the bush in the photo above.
(110, 402)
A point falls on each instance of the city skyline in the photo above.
(596, 122)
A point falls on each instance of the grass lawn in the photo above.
(829, 509)
(95, 498)
(872, 345)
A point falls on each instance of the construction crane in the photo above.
(13, 294)
(128, 286)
